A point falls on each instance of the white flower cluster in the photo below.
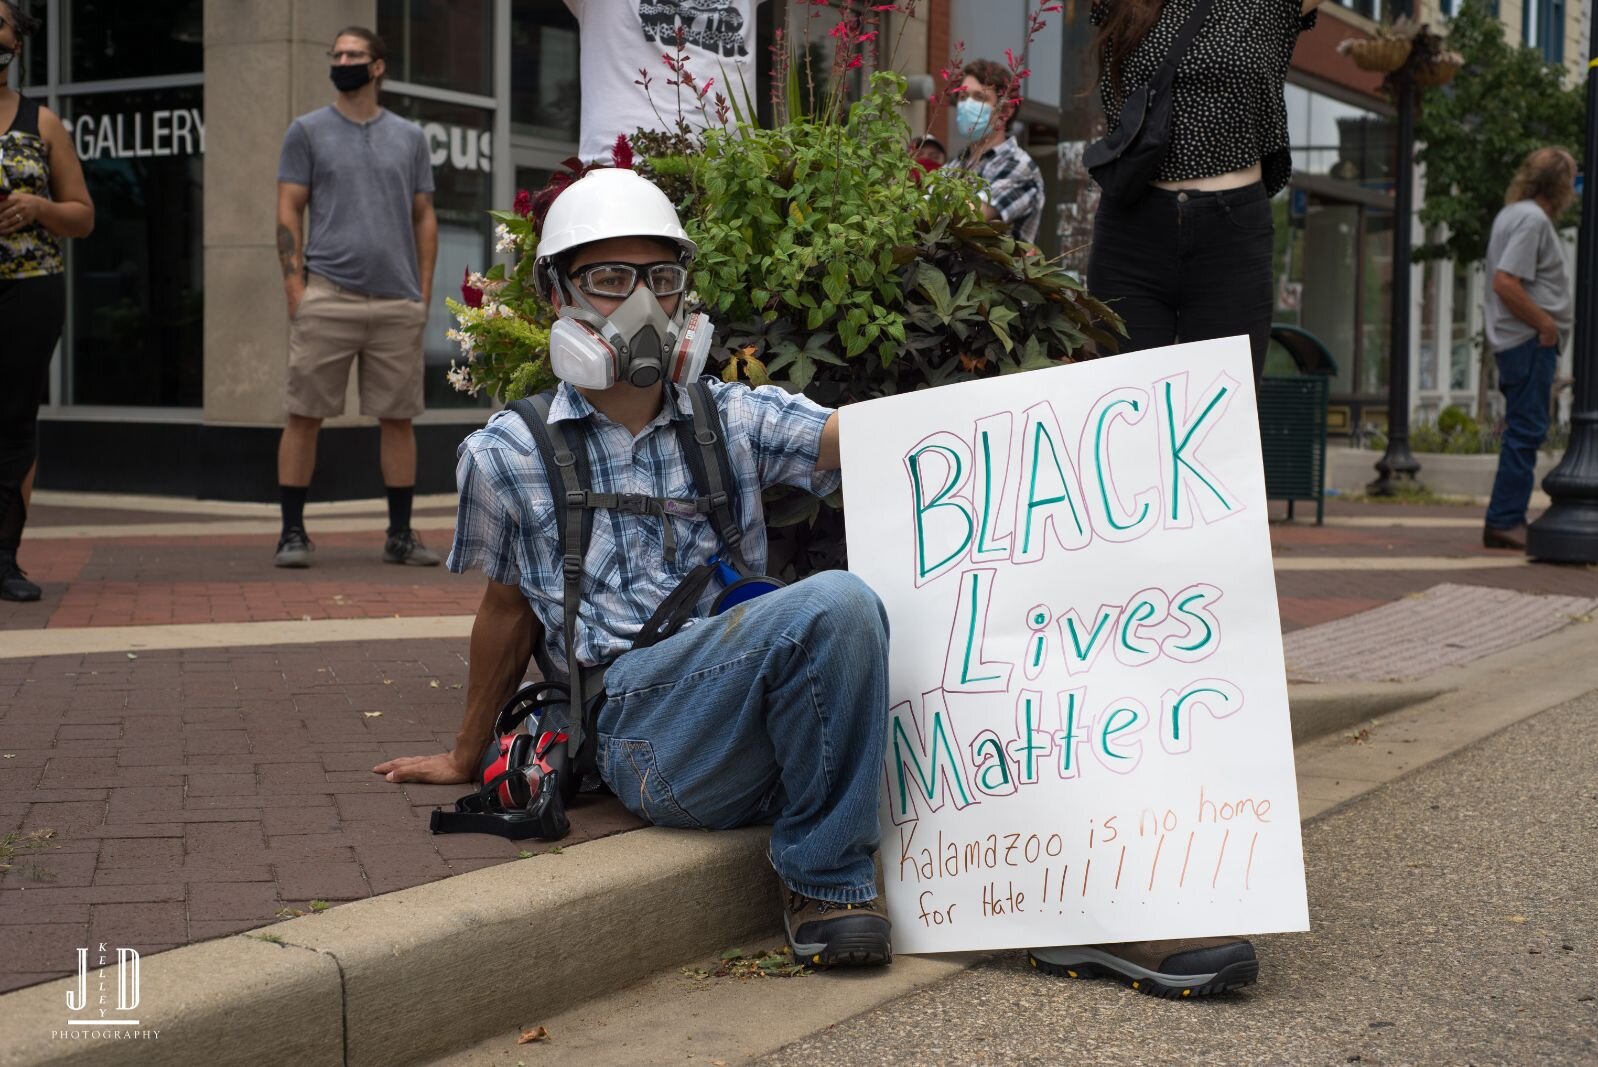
(504, 240)
(465, 341)
(488, 286)
(460, 379)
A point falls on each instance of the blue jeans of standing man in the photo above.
(1526, 378)
(772, 712)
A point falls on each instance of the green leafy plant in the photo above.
(501, 323)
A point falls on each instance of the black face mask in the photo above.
(349, 77)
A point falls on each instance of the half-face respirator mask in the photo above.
(637, 343)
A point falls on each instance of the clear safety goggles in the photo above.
(619, 279)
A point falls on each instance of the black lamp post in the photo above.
(1568, 530)
(1397, 467)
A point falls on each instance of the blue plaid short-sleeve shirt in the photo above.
(507, 527)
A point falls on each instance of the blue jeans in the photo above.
(772, 712)
(1526, 378)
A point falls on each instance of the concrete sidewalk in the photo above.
(196, 792)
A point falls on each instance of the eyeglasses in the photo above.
(353, 57)
(619, 279)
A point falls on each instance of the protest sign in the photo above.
(1088, 737)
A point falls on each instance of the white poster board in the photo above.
(1088, 737)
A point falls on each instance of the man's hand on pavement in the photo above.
(446, 768)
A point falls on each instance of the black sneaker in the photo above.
(293, 549)
(14, 585)
(1193, 967)
(405, 547)
(824, 934)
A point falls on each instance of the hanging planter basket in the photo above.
(1440, 71)
(1381, 54)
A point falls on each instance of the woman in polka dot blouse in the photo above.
(1191, 259)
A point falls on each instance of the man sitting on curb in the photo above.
(771, 712)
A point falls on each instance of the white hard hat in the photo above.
(610, 202)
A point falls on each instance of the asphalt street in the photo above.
(1454, 921)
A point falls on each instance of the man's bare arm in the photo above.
(1520, 304)
(831, 457)
(503, 638)
(425, 222)
(291, 202)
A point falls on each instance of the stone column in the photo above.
(265, 63)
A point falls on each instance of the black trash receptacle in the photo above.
(1292, 413)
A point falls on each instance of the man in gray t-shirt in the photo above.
(361, 288)
(1530, 312)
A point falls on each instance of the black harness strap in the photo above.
(575, 521)
(704, 445)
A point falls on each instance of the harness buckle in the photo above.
(576, 498)
(565, 459)
(572, 566)
(705, 437)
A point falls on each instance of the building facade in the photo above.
(171, 372)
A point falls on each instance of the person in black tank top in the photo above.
(43, 199)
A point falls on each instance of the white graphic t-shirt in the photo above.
(620, 37)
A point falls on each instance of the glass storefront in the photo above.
(137, 306)
(1335, 246)
(461, 140)
(127, 82)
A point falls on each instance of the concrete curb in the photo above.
(406, 976)
(410, 975)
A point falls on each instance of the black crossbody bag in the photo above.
(1126, 161)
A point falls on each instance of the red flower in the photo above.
(471, 297)
(855, 62)
(621, 154)
(524, 203)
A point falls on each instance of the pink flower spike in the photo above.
(865, 38)
(855, 62)
(1009, 58)
(839, 30)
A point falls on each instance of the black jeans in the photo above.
(32, 311)
(1187, 266)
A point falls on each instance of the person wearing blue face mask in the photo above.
(982, 112)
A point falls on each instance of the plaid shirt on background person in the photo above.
(1015, 185)
(506, 525)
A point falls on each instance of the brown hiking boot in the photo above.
(825, 934)
(1191, 967)
(1514, 537)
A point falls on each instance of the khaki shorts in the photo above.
(334, 325)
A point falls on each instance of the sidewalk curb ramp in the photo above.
(411, 975)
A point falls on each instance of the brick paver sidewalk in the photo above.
(197, 792)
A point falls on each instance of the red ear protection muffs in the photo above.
(524, 781)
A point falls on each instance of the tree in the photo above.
(1505, 101)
